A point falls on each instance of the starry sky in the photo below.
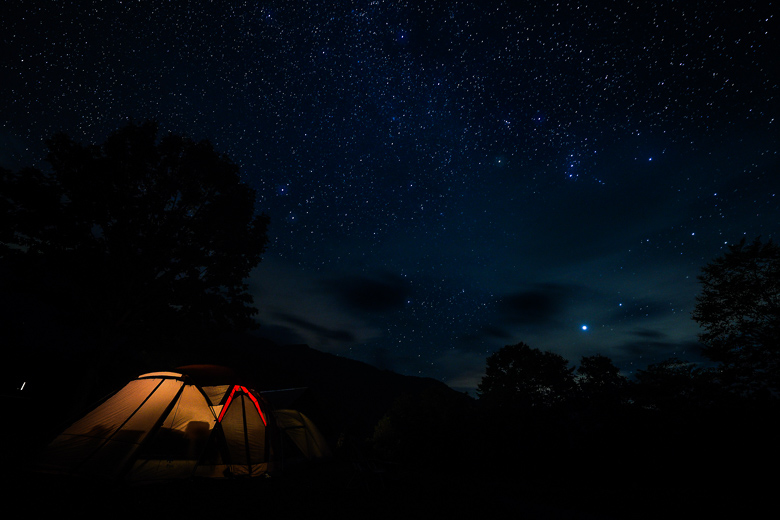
(443, 177)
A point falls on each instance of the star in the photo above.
(514, 152)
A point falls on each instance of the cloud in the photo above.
(319, 330)
(281, 334)
(649, 334)
(540, 305)
(296, 306)
(653, 348)
(486, 337)
(386, 292)
(493, 331)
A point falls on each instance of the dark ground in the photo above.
(688, 484)
(335, 492)
(638, 473)
(338, 490)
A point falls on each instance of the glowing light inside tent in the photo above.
(257, 405)
(246, 392)
(227, 403)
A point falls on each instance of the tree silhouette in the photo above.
(600, 381)
(739, 310)
(521, 376)
(138, 237)
(677, 386)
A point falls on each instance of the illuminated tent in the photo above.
(195, 422)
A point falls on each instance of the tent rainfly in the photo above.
(195, 422)
(297, 415)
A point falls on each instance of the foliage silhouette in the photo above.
(600, 382)
(739, 310)
(676, 423)
(521, 376)
(677, 386)
(137, 239)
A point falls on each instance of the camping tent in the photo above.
(302, 440)
(195, 422)
(304, 435)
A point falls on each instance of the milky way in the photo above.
(443, 178)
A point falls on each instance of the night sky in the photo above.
(443, 178)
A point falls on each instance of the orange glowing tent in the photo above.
(194, 422)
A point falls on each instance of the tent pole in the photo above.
(105, 441)
(154, 429)
(246, 437)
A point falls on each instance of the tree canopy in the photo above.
(600, 381)
(519, 375)
(675, 385)
(136, 237)
(739, 311)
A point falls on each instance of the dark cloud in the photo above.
(649, 334)
(321, 332)
(655, 349)
(540, 305)
(474, 342)
(383, 293)
(495, 332)
(281, 334)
